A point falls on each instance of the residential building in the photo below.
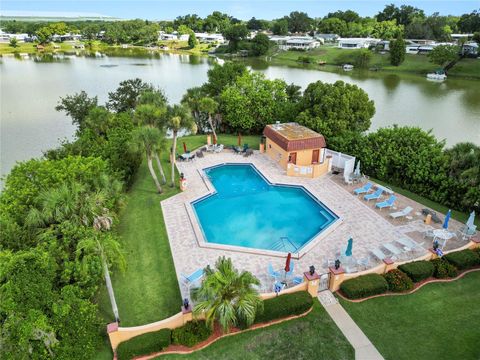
(330, 38)
(356, 43)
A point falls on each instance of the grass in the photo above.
(314, 336)
(334, 57)
(439, 321)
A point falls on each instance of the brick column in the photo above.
(476, 241)
(312, 282)
(389, 265)
(336, 278)
(112, 331)
(187, 314)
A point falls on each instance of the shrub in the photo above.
(363, 286)
(464, 259)
(284, 305)
(443, 269)
(144, 344)
(398, 281)
(418, 270)
(191, 333)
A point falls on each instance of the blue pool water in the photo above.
(248, 211)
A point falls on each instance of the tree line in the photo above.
(58, 214)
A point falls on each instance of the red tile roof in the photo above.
(294, 137)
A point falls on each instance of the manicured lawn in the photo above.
(439, 321)
(312, 337)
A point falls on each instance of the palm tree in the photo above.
(227, 296)
(106, 247)
(209, 106)
(178, 118)
(192, 99)
(148, 139)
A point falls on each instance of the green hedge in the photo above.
(398, 281)
(285, 305)
(418, 270)
(144, 344)
(443, 269)
(464, 259)
(191, 333)
(363, 286)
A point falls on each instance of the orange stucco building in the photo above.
(298, 149)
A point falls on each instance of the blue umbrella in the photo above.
(471, 220)
(348, 252)
(447, 218)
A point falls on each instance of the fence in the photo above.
(342, 161)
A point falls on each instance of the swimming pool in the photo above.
(248, 211)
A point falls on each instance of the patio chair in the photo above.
(236, 150)
(387, 203)
(364, 262)
(428, 234)
(401, 213)
(194, 277)
(297, 280)
(199, 154)
(292, 266)
(364, 189)
(375, 196)
(466, 232)
(248, 153)
(219, 148)
(272, 273)
(245, 148)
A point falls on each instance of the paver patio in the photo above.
(368, 227)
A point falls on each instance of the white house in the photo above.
(327, 37)
(302, 43)
(210, 38)
(356, 43)
(5, 37)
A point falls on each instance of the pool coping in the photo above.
(200, 236)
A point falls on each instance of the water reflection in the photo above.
(391, 82)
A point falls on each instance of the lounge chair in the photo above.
(236, 150)
(394, 250)
(192, 278)
(272, 273)
(387, 203)
(364, 262)
(364, 189)
(402, 213)
(375, 196)
(410, 244)
(379, 254)
(297, 280)
(219, 148)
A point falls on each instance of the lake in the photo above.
(31, 89)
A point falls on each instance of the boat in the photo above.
(347, 67)
(438, 75)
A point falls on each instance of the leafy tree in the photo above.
(220, 76)
(299, 22)
(260, 44)
(77, 106)
(252, 102)
(333, 26)
(90, 31)
(209, 106)
(148, 139)
(470, 23)
(228, 296)
(178, 118)
(476, 37)
(280, 27)
(397, 51)
(404, 15)
(13, 42)
(443, 54)
(44, 34)
(192, 41)
(126, 96)
(348, 16)
(184, 29)
(362, 58)
(234, 34)
(254, 24)
(333, 109)
(192, 99)
(387, 30)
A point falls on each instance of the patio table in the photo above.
(187, 156)
(443, 235)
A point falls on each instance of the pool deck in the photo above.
(369, 227)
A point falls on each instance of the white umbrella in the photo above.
(470, 220)
(357, 169)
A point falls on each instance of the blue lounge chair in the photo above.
(272, 273)
(192, 278)
(297, 280)
(387, 203)
(376, 195)
(364, 189)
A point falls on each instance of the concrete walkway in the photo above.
(364, 349)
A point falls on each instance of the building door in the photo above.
(292, 158)
(315, 156)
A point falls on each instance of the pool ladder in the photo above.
(280, 244)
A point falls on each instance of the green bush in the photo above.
(363, 286)
(284, 305)
(398, 281)
(144, 344)
(443, 269)
(418, 270)
(464, 259)
(191, 333)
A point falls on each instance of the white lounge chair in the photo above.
(219, 148)
(379, 254)
(402, 213)
(394, 250)
(410, 244)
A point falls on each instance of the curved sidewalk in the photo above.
(364, 349)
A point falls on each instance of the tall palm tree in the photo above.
(178, 118)
(227, 296)
(148, 139)
(107, 248)
(209, 106)
(192, 99)
(152, 114)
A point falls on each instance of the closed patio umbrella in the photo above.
(287, 263)
(184, 147)
(471, 220)
(447, 219)
(239, 139)
(348, 252)
(357, 169)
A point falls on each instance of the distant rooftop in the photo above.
(293, 136)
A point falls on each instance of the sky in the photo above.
(261, 9)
